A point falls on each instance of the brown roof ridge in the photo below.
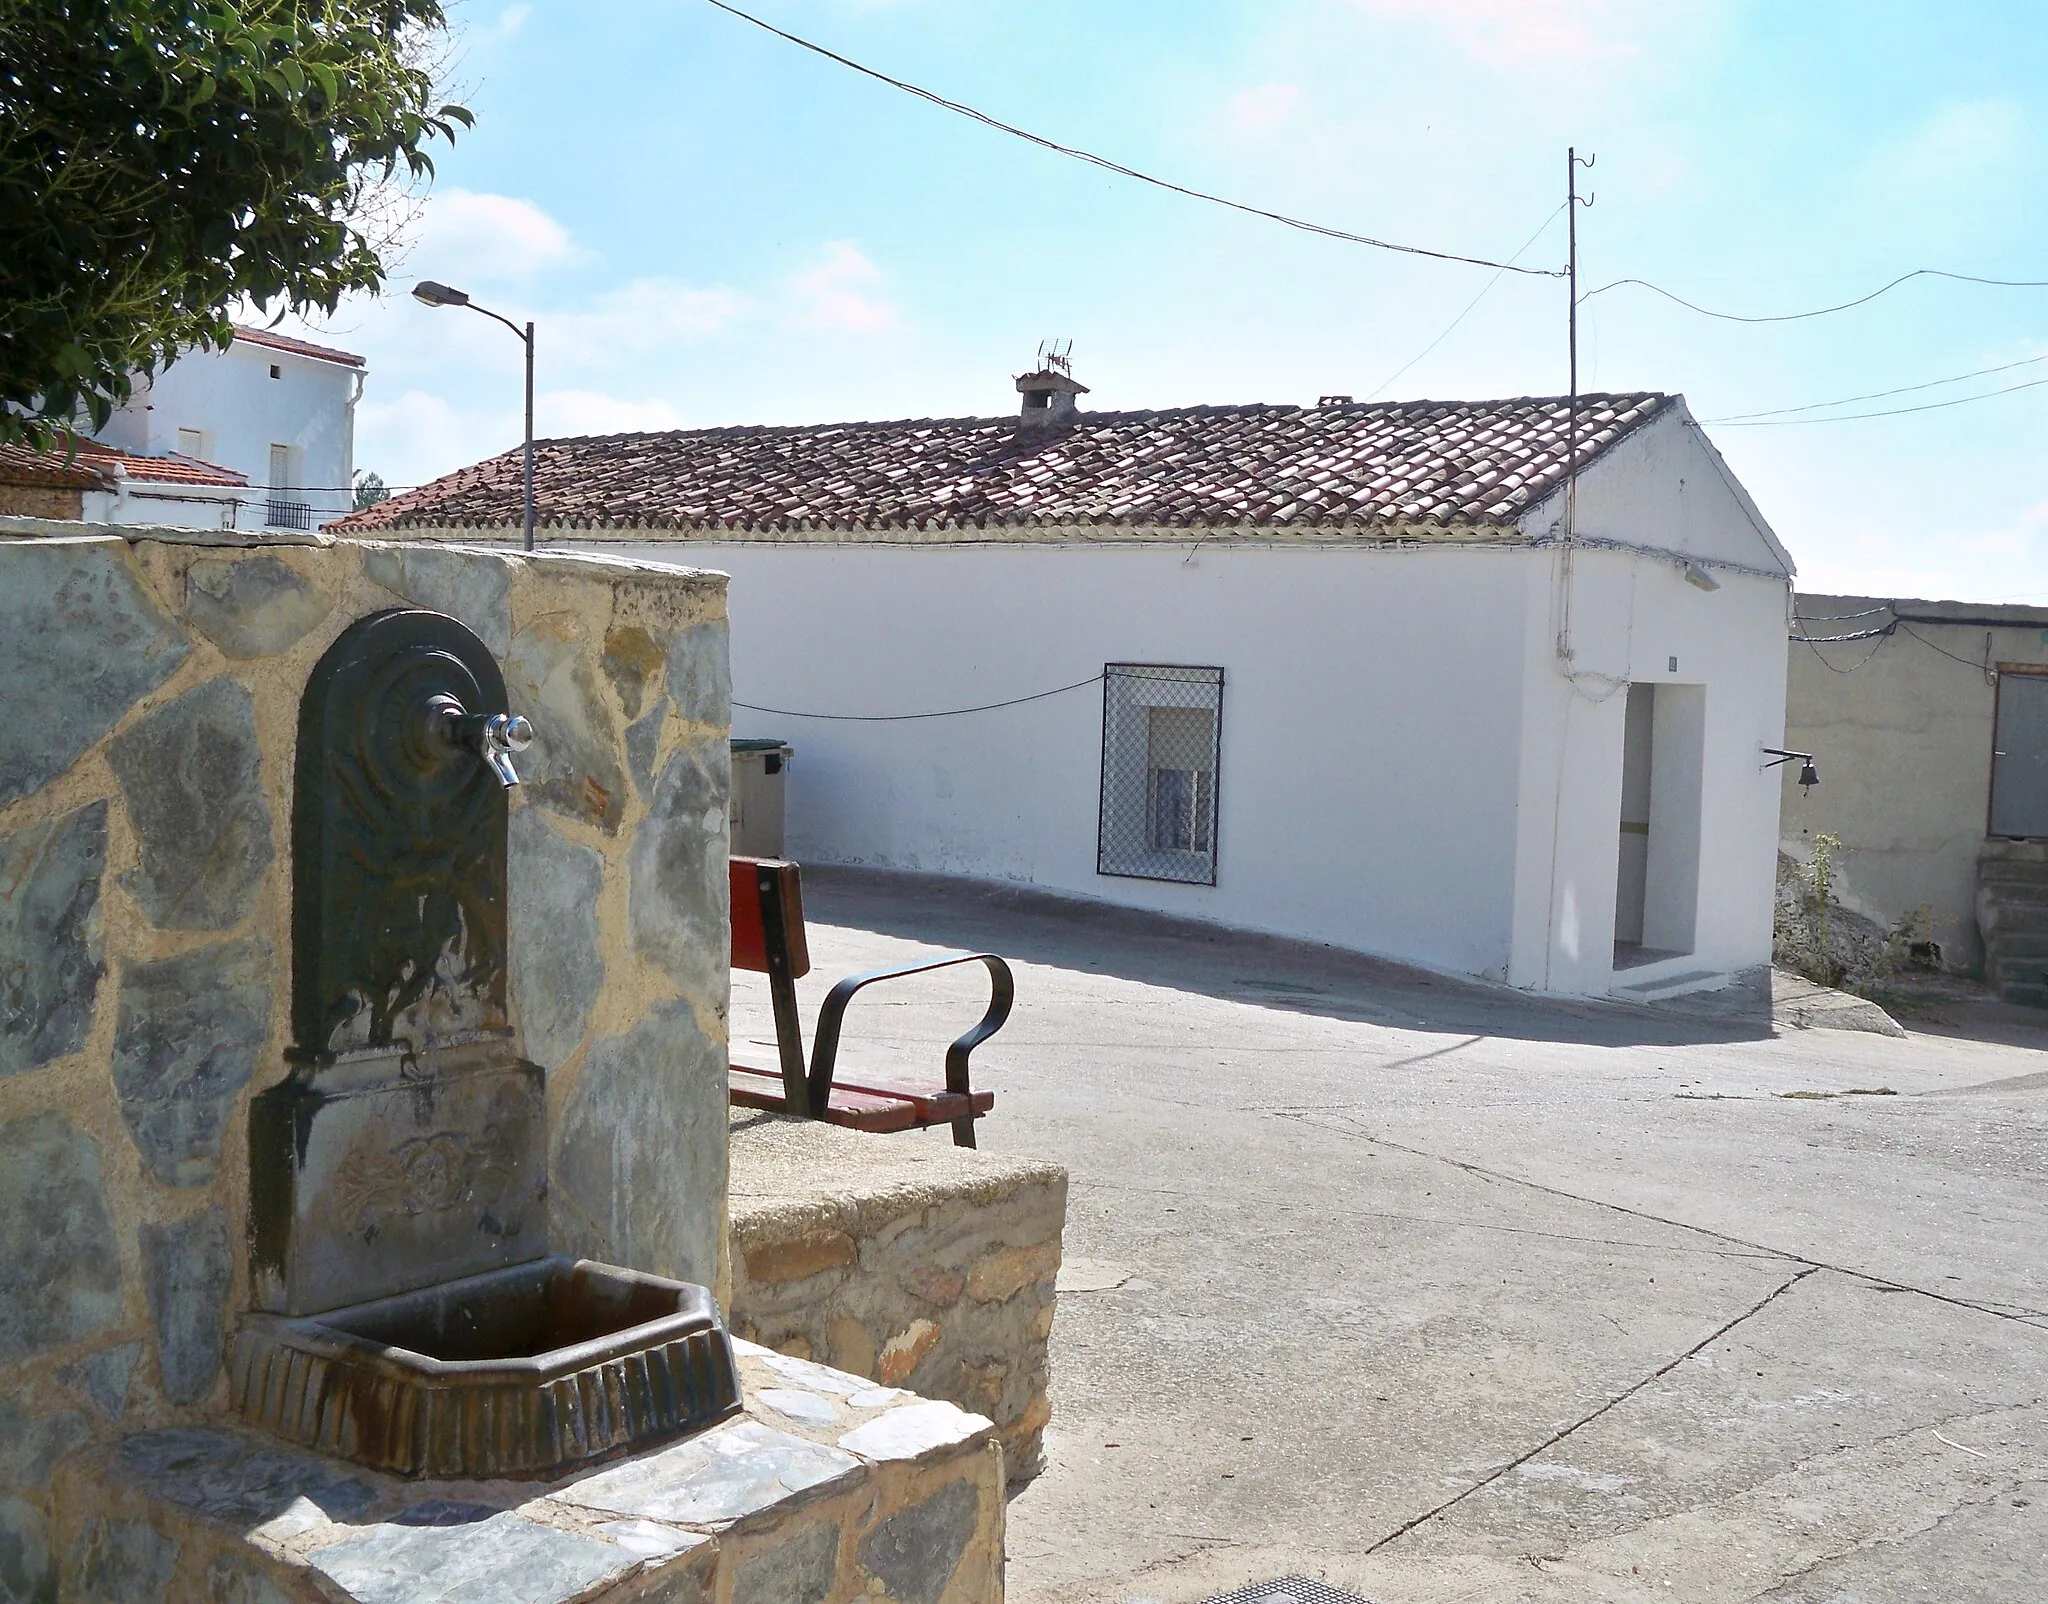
(1417, 463)
(299, 347)
(1093, 415)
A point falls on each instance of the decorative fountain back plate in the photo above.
(407, 1316)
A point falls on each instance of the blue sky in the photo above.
(713, 227)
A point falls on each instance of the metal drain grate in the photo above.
(1288, 1590)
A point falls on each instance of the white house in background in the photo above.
(1363, 674)
(260, 435)
(277, 411)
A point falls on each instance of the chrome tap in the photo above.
(502, 735)
(492, 736)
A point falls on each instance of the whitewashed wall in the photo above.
(230, 397)
(1632, 615)
(1370, 711)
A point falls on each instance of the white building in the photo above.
(260, 435)
(1333, 672)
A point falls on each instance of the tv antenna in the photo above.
(1054, 357)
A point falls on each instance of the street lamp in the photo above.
(428, 293)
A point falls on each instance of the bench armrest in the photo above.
(825, 1045)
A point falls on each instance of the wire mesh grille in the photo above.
(1162, 735)
(1288, 1590)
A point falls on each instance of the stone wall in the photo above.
(903, 1259)
(27, 499)
(146, 759)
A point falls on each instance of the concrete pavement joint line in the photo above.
(2019, 1314)
(1890, 1540)
(1323, 1211)
(1613, 1403)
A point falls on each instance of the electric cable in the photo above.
(1886, 412)
(1439, 340)
(1982, 668)
(1879, 395)
(897, 718)
(1819, 311)
(1076, 153)
(1861, 662)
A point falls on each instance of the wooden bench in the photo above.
(768, 938)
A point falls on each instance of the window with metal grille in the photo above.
(1162, 734)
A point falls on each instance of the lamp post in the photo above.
(428, 293)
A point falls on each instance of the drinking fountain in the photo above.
(407, 1313)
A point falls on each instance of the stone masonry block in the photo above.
(473, 587)
(251, 606)
(801, 1256)
(28, 1570)
(80, 642)
(643, 1133)
(574, 765)
(557, 963)
(187, 1272)
(677, 887)
(52, 953)
(187, 1036)
(60, 1277)
(192, 777)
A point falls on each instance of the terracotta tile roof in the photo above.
(24, 465)
(168, 469)
(94, 465)
(285, 342)
(1392, 465)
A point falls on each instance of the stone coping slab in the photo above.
(792, 1169)
(844, 1485)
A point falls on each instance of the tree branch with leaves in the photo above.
(163, 161)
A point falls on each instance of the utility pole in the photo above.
(1572, 164)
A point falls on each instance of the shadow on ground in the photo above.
(1243, 966)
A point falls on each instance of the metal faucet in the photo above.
(502, 735)
(492, 736)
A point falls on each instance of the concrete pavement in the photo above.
(1438, 1292)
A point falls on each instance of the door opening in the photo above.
(2019, 757)
(1657, 866)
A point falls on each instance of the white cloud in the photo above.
(467, 238)
(643, 317)
(835, 296)
(1264, 107)
(509, 22)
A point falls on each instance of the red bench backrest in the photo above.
(755, 880)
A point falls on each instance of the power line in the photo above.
(1077, 154)
(897, 718)
(1819, 311)
(1879, 395)
(1888, 412)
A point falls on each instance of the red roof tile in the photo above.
(285, 342)
(1400, 464)
(169, 469)
(24, 465)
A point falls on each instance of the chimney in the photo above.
(1048, 398)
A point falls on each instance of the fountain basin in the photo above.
(527, 1371)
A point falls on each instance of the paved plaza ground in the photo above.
(1439, 1293)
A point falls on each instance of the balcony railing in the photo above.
(287, 514)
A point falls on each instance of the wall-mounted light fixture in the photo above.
(1809, 776)
(1699, 578)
